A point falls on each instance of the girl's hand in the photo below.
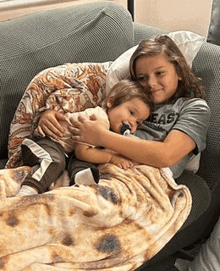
(88, 130)
(121, 161)
(49, 124)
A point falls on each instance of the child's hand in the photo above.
(121, 161)
(49, 124)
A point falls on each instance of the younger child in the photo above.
(127, 104)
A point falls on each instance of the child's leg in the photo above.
(81, 172)
(47, 160)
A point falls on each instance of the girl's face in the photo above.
(132, 112)
(159, 74)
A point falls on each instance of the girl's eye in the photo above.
(141, 78)
(159, 73)
(131, 112)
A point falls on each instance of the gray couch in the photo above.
(214, 26)
(100, 32)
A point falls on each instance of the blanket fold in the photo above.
(115, 225)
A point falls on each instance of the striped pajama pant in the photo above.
(47, 160)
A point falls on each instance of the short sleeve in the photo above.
(194, 118)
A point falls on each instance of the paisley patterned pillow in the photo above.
(66, 88)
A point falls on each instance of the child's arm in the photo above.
(100, 156)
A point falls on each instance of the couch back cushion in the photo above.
(213, 32)
(207, 66)
(94, 32)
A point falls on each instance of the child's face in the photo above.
(159, 74)
(132, 112)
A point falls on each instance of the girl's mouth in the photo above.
(156, 90)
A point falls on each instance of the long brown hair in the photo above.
(190, 85)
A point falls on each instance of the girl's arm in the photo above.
(158, 154)
(100, 156)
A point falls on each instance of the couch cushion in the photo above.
(214, 26)
(206, 66)
(94, 32)
(142, 32)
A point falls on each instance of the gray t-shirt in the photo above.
(190, 116)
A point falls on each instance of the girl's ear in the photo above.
(110, 102)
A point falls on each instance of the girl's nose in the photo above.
(152, 81)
